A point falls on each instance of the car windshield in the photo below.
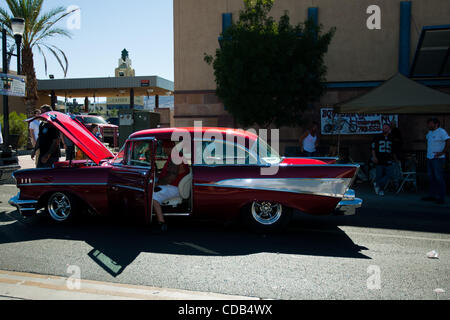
(94, 120)
(266, 153)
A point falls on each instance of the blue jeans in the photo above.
(436, 178)
(384, 173)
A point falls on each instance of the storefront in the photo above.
(369, 48)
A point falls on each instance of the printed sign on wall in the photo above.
(11, 85)
(352, 123)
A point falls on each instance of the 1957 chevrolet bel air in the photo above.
(226, 179)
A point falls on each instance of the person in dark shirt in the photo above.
(47, 143)
(383, 157)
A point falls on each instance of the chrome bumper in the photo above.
(349, 204)
(25, 207)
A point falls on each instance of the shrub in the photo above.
(17, 126)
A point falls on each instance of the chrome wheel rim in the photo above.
(266, 213)
(59, 207)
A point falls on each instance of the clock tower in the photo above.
(124, 69)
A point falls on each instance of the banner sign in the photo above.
(11, 85)
(354, 123)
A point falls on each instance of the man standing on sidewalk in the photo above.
(438, 145)
(47, 143)
(383, 157)
(34, 128)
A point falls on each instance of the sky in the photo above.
(105, 28)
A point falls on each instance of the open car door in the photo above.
(132, 179)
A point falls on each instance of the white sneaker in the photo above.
(377, 189)
(381, 193)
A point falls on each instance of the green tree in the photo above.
(18, 127)
(39, 28)
(267, 72)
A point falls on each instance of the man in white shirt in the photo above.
(1, 136)
(438, 145)
(34, 128)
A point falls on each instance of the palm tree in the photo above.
(39, 27)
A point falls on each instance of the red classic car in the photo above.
(233, 173)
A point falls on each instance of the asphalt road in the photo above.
(379, 254)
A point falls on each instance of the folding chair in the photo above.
(410, 176)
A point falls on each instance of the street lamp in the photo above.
(18, 28)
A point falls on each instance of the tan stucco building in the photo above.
(361, 56)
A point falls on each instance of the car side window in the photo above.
(218, 152)
(141, 154)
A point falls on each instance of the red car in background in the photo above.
(109, 132)
(214, 189)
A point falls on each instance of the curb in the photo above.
(27, 286)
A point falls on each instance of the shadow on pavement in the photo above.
(403, 211)
(117, 244)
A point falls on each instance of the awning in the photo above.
(398, 95)
(107, 87)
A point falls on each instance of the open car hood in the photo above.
(79, 135)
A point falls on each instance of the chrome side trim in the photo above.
(128, 187)
(60, 184)
(174, 214)
(335, 188)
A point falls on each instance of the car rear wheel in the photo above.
(266, 216)
(61, 207)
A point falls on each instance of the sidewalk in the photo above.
(25, 286)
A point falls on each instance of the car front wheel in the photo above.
(60, 207)
(266, 216)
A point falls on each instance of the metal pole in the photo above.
(339, 136)
(53, 100)
(132, 98)
(5, 97)
(19, 65)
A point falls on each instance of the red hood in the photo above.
(300, 161)
(79, 135)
